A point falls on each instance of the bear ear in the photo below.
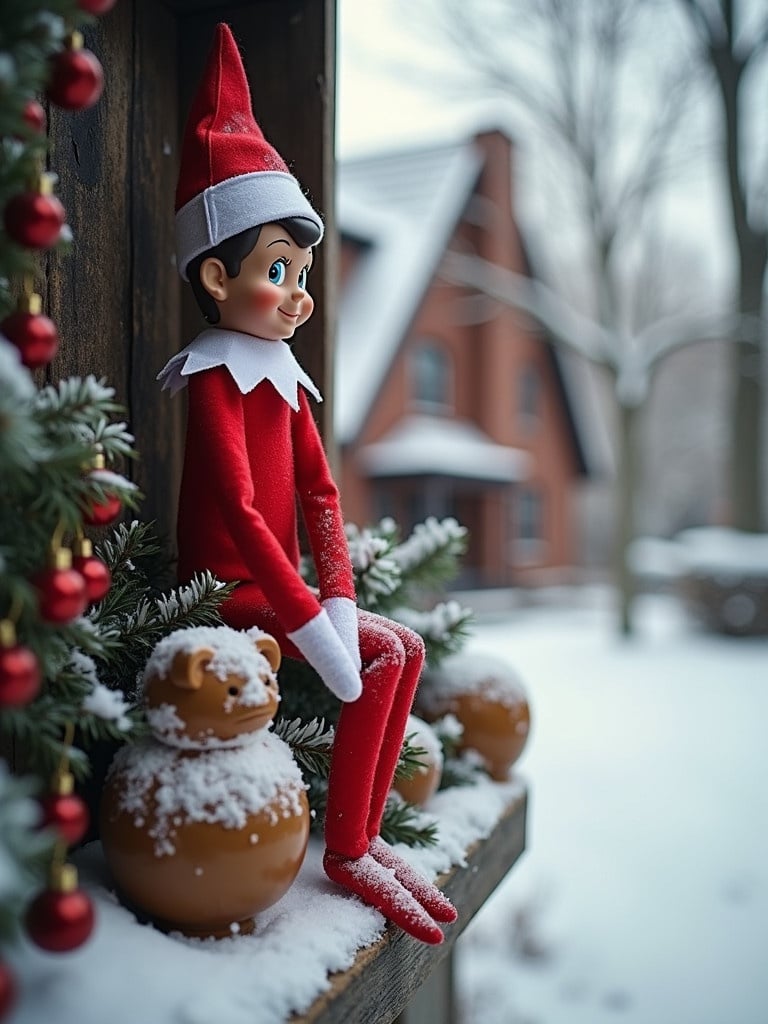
(188, 668)
(269, 647)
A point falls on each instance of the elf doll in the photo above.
(245, 240)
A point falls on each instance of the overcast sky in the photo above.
(386, 99)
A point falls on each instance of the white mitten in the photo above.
(321, 645)
(342, 612)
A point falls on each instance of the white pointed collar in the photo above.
(249, 360)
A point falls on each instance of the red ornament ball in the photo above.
(60, 921)
(7, 990)
(66, 813)
(34, 220)
(96, 6)
(33, 116)
(96, 575)
(103, 512)
(76, 81)
(61, 594)
(34, 335)
(19, 676)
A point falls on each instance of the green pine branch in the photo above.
(444, 628)
(412, 758)
(405, 823)
(430, 557)
(311, 743)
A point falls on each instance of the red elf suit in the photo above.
(253, 449)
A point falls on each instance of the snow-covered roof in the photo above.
(406, 205)
(433, 446)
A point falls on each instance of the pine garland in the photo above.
(30, 34)
(46, 450)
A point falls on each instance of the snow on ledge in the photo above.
(129, 973)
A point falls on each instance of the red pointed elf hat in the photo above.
(230, 177)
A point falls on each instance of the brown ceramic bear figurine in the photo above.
(206, 823)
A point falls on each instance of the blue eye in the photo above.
(277, 272)
(303, 279)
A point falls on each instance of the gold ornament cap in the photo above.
(32, 303)
(63, 784)
(82, 547)
(63, 878)
(7, 633)
(61, 559)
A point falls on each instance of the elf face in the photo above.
(268, 298)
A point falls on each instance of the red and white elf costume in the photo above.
(252, 448)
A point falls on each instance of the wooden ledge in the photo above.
(381, 981)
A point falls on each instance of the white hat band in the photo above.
(235, 204)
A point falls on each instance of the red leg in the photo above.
(398, 720)
(363, 739)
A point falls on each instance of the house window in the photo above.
(430, 376)
(529, 395)
(529, 544)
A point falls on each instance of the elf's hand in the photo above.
(342, 612)
(321, 645)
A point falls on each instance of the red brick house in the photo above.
(445, 402)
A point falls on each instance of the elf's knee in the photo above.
(390, 654)
(413, 645)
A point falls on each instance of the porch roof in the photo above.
(433, 446)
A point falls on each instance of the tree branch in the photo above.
(555, 316)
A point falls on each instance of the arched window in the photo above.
(430, 373)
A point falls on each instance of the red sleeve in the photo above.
(222, 470)
(320, 505)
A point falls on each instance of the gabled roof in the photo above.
(403, 208)
(406, 205)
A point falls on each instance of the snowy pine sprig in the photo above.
(47, 481)
(444, 628)
(405, 823)
(412, 759)
(136, 613)
(310, 742)
(377, 575)
(431, 554)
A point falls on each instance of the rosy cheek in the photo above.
(265, 298)
(307, 305)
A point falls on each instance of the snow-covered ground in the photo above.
(643, 896)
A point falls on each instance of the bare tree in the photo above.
(732, 37)
(572, 69)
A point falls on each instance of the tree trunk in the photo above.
(746, 458)
(625, 514)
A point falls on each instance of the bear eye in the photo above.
(234, 691)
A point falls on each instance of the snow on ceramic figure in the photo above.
(245, 241)
(206, 823)
(488, 698)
